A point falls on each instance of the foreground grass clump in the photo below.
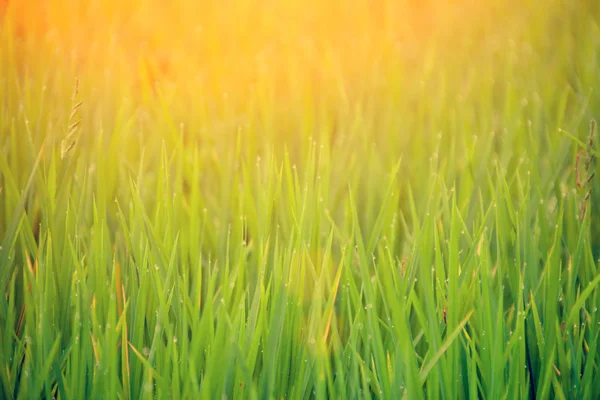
(379, 226)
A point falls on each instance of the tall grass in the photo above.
(379, 226)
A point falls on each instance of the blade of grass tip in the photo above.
(334, 292)
(537, 324)
(9, 349)
(122, 313)
(380, 221)
(552, 271)
(46, 368)
(57, 369)
(581, 299)
(427, 368)
(370, 294)
(151, 236)
(558, 391)
(247, 384)
(10, 234)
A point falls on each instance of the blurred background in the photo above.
(454, 88)
(336, 52)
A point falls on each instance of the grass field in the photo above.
(244, 199)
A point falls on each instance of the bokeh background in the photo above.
(469, 82)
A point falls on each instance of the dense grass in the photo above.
(376, 219)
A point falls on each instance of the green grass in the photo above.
(411, 230)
